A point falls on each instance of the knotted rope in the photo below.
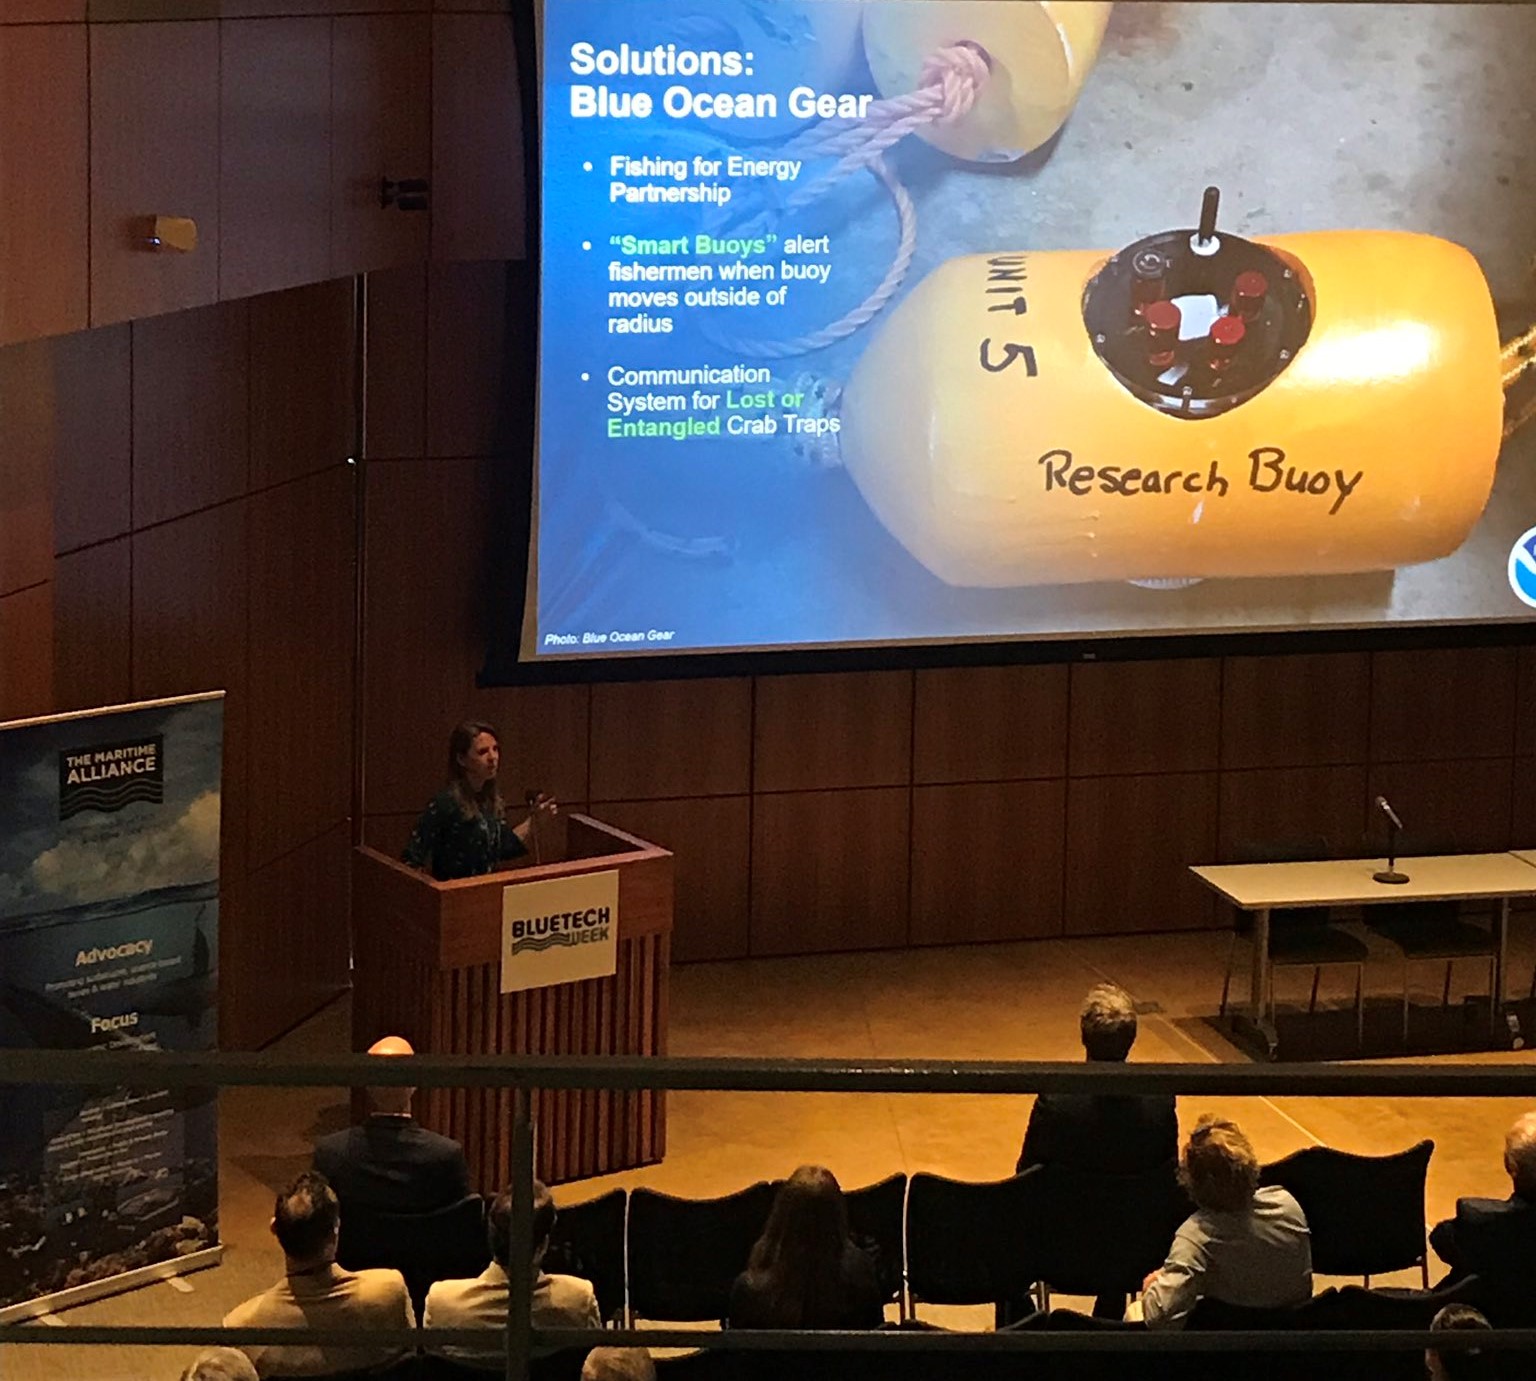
(948, 86)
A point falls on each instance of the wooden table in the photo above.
(1259, 888)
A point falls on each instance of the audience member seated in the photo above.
(220, 1364)
(559, 1301)
(1112, 1134)
(392, 1163)
(1243, 1245)
(316, 1293)
(805, 1271)
(1495, 1239)
(1460, 1364)
(618, 1364)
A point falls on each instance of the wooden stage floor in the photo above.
(984, 1002)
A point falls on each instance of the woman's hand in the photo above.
(543, 806)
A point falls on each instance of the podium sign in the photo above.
(559, 930)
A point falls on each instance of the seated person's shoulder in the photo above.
(565, 1289)
(1494, 1208)
(378, 1283)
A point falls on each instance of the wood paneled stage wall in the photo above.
(177, 512)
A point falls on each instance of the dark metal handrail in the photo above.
(183, 1069)
(179, 1069)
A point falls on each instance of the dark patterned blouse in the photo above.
(449, 845)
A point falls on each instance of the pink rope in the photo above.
(948, 86)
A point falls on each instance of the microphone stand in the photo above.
(1390, 874)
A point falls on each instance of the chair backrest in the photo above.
(973, 1242)
(684, 1254)
(1365, 1213)
(448, 1244)
(1102, 1234)
(875, 1218)
(588, 1241)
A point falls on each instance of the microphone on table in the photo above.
(1390, 873)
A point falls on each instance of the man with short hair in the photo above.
(559, 1301)
(618, 1364)
(316, 1293)
(391, 1163)
(1462, 1363)
(1111, 1134)
(220, 1364)
(1495, 1239)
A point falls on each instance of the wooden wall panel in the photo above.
(190, 606)
(829, 871)
(28, 405)
(300, 679)
(93, 631)
(987, 862)
(44, 181)
(677, 738)
(1295, 711)
(978, 724)
(1144, 717)
(1523, 830)
(275, 154)
(1291, 806)
(26, 652)
(301, 382)
(1446, 807)
(423, 545)
(1130, 843)
(397, 364)
(93, 470)
(283, 942)
(381, 128)
(467, 359)
(191, 404)
(477, 163)
(1442, 704)
(833, 730)
(154, 152)
(41, 11)
(712, 843)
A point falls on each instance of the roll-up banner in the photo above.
(109, 905)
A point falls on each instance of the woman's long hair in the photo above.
(796, 1266)
(486, 801)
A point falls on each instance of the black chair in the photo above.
(1365, 1213)
(1353, 1307)
(1300, 937)
(588, 1241)
(449, 1244)
(1101, 1234)
(875, 1220)
(684, 1254)
(973, 1243)
(1436, 931)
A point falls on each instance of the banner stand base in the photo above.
(112, 1285)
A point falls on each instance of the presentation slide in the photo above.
(926, 321)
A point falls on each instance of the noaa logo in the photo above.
(1522, 568)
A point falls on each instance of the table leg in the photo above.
(1261, 990)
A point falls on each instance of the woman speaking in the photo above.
(463, 832)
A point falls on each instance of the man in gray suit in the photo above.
(559, 1301)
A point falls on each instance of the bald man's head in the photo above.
(391, 1101)
(1520, 1156)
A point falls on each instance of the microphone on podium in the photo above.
(531, 798)
(1390, 874)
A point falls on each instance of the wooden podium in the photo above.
(426, 966)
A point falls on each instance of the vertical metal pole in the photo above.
(520, 1252)
(360, 448)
